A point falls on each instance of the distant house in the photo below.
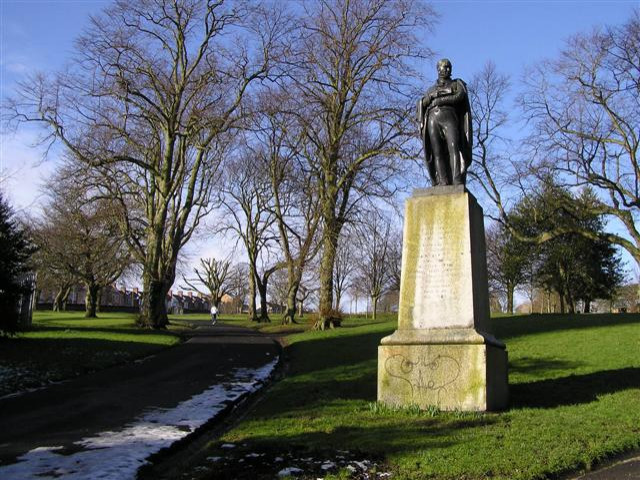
(113, 298)
(187, 302)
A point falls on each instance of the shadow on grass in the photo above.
(509, 327)
(49, 350)
(330, 352)
(573, 389)
(262, 456)
(378, 437)
(541, 365)
(100, 330)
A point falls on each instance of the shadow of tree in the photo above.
(573, 389)
(323, 353)
(102, 330)
(515, 326)
(541, 365)
(373, 441)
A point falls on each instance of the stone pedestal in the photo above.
(442, 353)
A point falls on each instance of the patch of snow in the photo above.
(289, 471)
(278, 459)
(227, 445)
(362, 465)
(214, 459)
(117, 455)
(328, 466)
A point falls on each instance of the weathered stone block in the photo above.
(444, 266)
(442, 353)
(464, 377)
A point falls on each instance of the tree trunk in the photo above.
(91, 300)
(374, 301)
(292, 293)
(562, 306)
(36, 297)
(65, 298)
(153, 313)
(338, 299)
(252, 293)
(60, 301)
(587, 306)
(327, 317)
(510, 290)
(99, 300)
(57, 301)
(262, 289)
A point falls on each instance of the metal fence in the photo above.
(25, 302)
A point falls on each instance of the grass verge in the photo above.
(575, 400)
(65, 344)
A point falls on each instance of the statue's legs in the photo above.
(452, 136)
(429, 160)
(437, 139)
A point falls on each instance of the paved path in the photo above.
(627, 469)
(63, 414)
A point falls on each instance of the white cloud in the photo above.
(23, 169)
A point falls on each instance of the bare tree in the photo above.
(279, 290)
(215, 275)
(508, 262)
(305, 292)
(246, 200)
(372, 257)
(149, 104)
(395, 260)
(52, 276)
(345, 265)
(352, 81)
(585, 110)
(295, 205)
(79, 241)
(493, 171)
(239, 286)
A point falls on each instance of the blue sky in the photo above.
(39, 35)
(514, 34)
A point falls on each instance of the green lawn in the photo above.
(65, 344)
(274, 327)
(575, 393)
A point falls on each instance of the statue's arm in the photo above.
(450, 99)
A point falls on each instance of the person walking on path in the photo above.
(214, 314)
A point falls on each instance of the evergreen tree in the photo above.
(575, 266)
(15, 250)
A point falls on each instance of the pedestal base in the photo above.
(468, 374)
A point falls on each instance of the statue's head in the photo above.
(444, 68)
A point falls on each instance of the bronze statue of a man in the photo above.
(445, 128)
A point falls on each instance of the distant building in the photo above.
(113, 298)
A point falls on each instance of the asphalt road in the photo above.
(67, 412)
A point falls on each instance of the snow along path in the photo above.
(118, 455)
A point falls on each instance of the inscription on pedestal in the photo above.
(437, 277)
(433, 271)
